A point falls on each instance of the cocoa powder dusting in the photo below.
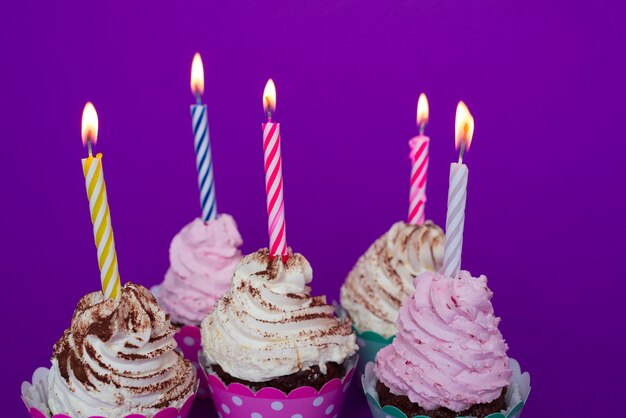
(136, 311)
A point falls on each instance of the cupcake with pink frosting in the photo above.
(203, 257)
(448, 358)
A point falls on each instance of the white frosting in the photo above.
(118, 359)
(383, 277)
(268, 325)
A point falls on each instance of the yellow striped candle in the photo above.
(99, 207)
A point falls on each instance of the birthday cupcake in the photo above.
(384, 276)
(203, 256)
(448, 358)
(117, 358)
(273, 346)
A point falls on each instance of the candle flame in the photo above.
(422, 110)
(269, 96)
(89, 126)
(197, 75)
(463, 126)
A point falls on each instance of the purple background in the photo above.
(545, 212)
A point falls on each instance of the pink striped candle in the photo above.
(274, 177)
(457, 194)
(419, 166)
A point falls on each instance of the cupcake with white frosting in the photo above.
(268, 331)
(384, 276)
(118, 358)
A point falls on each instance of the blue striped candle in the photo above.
(204, 162)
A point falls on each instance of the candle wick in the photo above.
(198, 99)
(89, 148)
(269, 108)
(422, 128)
(461, 152)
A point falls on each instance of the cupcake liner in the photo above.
(370, 343)
(239, 401)
(189, 341)
(35, 397)
(516, 396)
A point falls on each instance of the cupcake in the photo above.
(383, 277)
(267, 334)
(448, 358)
(118, 358)
(203, 257)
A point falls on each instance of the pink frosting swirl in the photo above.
(203, 257)
(448, 351)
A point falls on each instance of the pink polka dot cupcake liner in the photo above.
(239, 401)
(35, 397)
(189, 342)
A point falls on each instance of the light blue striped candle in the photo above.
(204, 162)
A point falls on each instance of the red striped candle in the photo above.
(419, 166)
(274, 177)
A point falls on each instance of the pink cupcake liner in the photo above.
(35, 397)
(189, 342)
(239, 401)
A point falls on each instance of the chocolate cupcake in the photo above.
(448, 358)
(118, 358)
(268, 331)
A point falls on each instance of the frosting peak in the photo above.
(203, 257)
(117, 358)
(383, 277)
(448, 351)
(268, 325)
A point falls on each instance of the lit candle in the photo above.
(273, 176)
(419, 166)
(99, 207)
(457, 193)
(200, 126)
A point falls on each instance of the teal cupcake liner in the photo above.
(370, 343)
(516, 396)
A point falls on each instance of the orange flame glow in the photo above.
(463, 126)
(269, 96)
(89, 125)
(197, 75)
(422, 110)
